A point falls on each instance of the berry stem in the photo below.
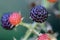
(43, 26)
(31, 29)
(28, 33)
(25, 25)
(36, 32)
(29, 26)
(34, 25)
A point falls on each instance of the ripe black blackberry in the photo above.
(39, 14)
(5, 22)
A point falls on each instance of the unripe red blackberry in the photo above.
(44, 37)
(39, 14)
(15, 18)
(5, 22)
(52, 1)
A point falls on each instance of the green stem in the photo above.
(36, 32)
(31, 29)
(28, 33)
(25, 25)
(43, 26)
(34, 25)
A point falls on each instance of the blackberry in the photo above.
(44, 37)
(15, 18)
(5, 22)
(39, 14)
(52, 1)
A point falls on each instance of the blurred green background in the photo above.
(22, 5)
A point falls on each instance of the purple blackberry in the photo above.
(39, 14)
(5, 22)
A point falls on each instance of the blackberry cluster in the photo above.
(39, 14)
(5, 22)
